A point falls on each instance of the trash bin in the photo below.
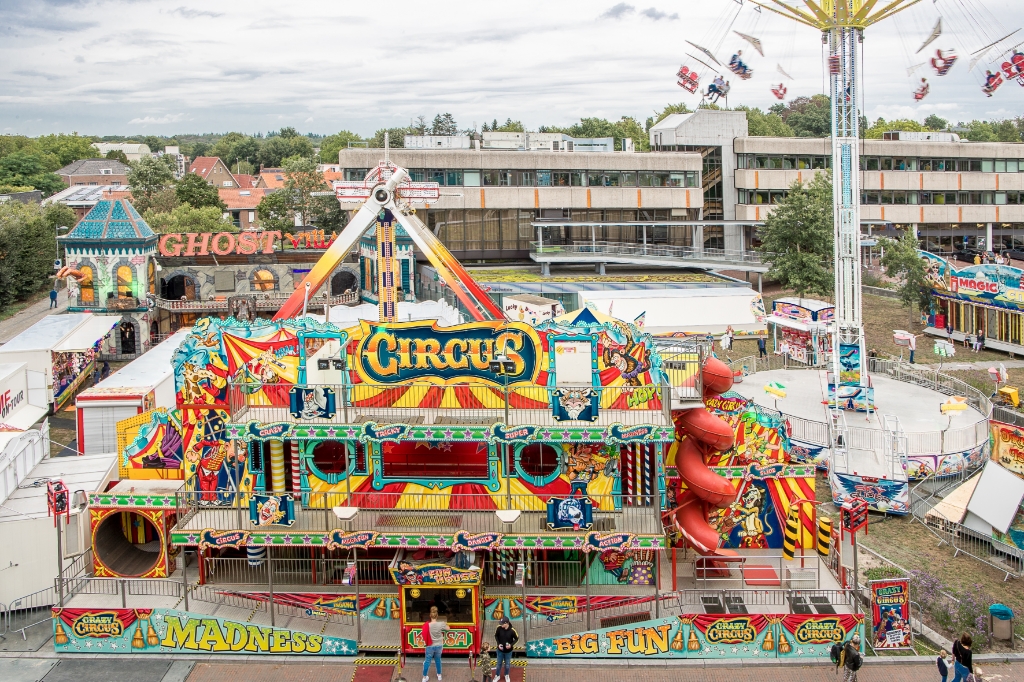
(1000, 623)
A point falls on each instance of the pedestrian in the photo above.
(762, 348)
(505, 637)
(977, 259)
(949, 331)
(95, 374)
(433, 638)
(852, 660)
(969, 341)
(913, 347)
(106, 370)
(941, 663)
(962, 664)
(53, 297)
(486, 663)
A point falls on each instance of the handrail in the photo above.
(263, 301)
(649, 250)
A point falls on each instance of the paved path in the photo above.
(24, 319)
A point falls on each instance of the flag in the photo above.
(640, 319)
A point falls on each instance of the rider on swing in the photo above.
(779, 91)
(717, 88)
(922, 90)
(737, 66)
(941, 63)
(992, 81)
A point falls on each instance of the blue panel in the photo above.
(120, 230)
(118, 213)
(143, 227)
(99, 212)
(88, 229)
(847, 179)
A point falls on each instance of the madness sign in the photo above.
(419, 351)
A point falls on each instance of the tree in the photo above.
(279, 147)
(274, 212)
(147, 177)
(396, 137)
(797, 239)
(761, 124)
(117, 155)
(509, 126)
(903, 263)
(444, 124)
(807, 116)
(288, 132)
(225, 146)
(196, 192)
(28, 246)
(187, 218)
(67, 148)
(332, 145)
(25, 168)
(882, 126)
(599, 127)
(934, 122)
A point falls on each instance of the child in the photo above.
(486, 663)
(941, 662)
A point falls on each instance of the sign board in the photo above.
(890, 614)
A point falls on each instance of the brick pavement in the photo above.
(457, 671)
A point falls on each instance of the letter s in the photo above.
(314, 643)
(246, 243)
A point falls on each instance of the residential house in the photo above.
(245, 181)
(271, 178)
(213, 170)
(241, 203)
(94, 172)
(132, 151)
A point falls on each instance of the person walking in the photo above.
(962, 664)
(941, 663)
(852, 660)
(762, 348)
(913, 347)
(505, 637)
(433, 637)
(53, 297)
(486, 663)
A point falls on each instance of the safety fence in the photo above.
(987, 549)
(804, 571)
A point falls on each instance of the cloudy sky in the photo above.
(135, 66)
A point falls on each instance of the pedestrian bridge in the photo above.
(602, 253)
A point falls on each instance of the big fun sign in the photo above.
(146, 631)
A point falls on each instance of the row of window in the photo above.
(543, 178)
(881, 163)
(899, 198)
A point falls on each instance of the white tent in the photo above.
(685, 312)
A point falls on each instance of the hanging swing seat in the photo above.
(942, 63)
(992, 83)
(1013, 69)
(779, 91)
(921, 92)
(688, 79)
(741, 70)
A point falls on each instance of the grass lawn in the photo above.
(18, 306)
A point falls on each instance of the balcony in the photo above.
(459, 404)
(264, 301)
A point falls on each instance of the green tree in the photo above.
(25, 168)
(274, 212)
(225, 147)
(197, 193)
(246, 151)
(117, 155)
(28, 246)
(68, 148)
(275, 149)
(147, 177)
(509, 126)
(903, 263)
(444, 124)
(396, 137)
(934, 122)
(288, 132)
(807, 116)
(762, 124)
(332, 145)
(882, 126)
(599, 127)
(187, 218)
(796, 240)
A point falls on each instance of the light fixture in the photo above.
(508, 516)
(346, 513)
(323, 363)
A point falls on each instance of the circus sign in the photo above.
(419, 351)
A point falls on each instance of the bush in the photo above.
(870, 279)
(27, 247)
(883, 572)
(955, 612)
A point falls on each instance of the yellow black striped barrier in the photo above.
(789, 539)
(824, 534)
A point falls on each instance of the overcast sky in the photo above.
(138, 67)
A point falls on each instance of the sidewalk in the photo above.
(24, 319)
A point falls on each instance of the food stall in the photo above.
(801, 329)
(450, 582)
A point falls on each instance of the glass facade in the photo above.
(546, 178)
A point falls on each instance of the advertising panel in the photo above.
(890, 614)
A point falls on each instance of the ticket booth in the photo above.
(451, 583)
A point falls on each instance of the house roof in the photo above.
(126, 147)
(244, 181)
(112, 220)
(93, 167)
(203, 165)
(272, 178)
(86, 195)
(242, 198)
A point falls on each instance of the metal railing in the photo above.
(419, 512)
(932, 379)
(984, 548)
(263, 301)
(31, 610)
(717, 572)
(595, 250)
(420, 404)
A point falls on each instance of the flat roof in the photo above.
(684, 312)
(146, 371)
(86, 473)
(86, 336)
(9, 368)
(45, 334)
(146, 487)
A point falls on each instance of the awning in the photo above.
(790, 323)
(86, 336)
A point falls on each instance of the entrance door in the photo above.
(126, 331)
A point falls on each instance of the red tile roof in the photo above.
(203, 165)
(245, 181)
(241, 199)
(272, 177)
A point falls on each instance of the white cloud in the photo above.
(618, 11)
(157, 120)
(308, 120)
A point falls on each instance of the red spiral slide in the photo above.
(706, 434)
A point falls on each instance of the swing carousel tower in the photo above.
(842, 24)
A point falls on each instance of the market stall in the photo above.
(800, 329)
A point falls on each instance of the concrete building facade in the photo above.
(489, 199)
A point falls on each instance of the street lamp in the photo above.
(60, 228)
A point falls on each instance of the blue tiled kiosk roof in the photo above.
(115, 222)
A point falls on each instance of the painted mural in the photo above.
(162, 631)
(882, 495)
(708, 636)
(1008, 446)
(1001, 286)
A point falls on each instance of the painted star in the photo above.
(567, 434)
(423, 539)
(331, 432)
(735, 650)
(307, 540)
(442, 541)
(799, 652)
(520, 541)
(192, 538)
(287, 539)
(325, 539)
(532, 646)
(558, 542)
(448, 433)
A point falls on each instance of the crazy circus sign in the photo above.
(406, 351)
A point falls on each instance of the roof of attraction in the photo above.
(112, 220)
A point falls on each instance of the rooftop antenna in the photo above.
(387, 145)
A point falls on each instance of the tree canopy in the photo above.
(903, 263)
(444, 124)
(147, 177)
(766, 124)
(197, 193)
(28, 245)
(797, 238)
(600, 127)
(807, 116)
(331, 145)
(509, 126)
(187, 218)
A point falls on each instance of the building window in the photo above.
(538, 463)
(87, 291)
(125, 280)
(263, 280)
(151, 276)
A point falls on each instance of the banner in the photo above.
(150, 631)
(890, 613)
(407, 573)
(811, 635)
(1008, 446)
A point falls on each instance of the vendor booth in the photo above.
(801, 329)
(62, 348)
